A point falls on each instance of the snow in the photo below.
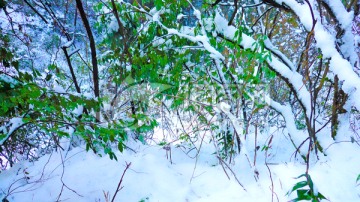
(180, 16)
(201, 39)
(343, 16)
(78, 110)
(336, 177)
(301, 10)
(69, 43)
(273, 49)
(326, 43)
(13, 124)
(8, 79)
(113, 26)
(293, 77)
(285, 111)
(192, 176)
(156, 17)
(58, 89)
(324, 40)
(152, 175)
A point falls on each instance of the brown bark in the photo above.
(95, 70)
(71, 70)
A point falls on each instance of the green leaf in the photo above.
(297, 186)
(48, 77)
(302, 175)
(162, 143)
(141, 138)
(303, 194)
(158, 4)
(2, 136)
(320, 196)
(120, 146)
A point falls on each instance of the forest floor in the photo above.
(189, 175)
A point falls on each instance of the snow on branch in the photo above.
(279, 54)
(289, 74)
(203, 40)
(13, 125)
(344, 20)
(286, 112)
(326, 42)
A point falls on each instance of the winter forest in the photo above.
(180, 100)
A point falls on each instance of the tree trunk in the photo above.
(95, 70)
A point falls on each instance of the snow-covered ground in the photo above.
(79, 176)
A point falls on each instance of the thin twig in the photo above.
(218, 155)
(197, 156)
(62, 181)
(34, 9)
(267, 165)
(340, 142)
(119, 187)
(232, 172)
